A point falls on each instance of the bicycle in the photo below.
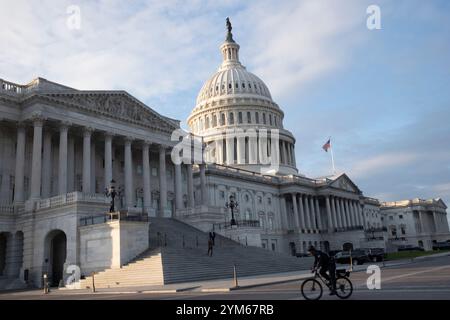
(312, 289)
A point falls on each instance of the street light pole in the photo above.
(232, 205)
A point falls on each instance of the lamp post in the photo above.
(111, 192)
(232, 205)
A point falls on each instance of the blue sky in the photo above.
(382, 95)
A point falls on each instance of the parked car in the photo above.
(358, 257)
(376, 254)
(302, 255)
(441, 246)
(409, 247)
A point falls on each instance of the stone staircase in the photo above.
(7, 283)
(178, 253)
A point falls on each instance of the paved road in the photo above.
(424, 280)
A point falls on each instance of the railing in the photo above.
(113, 216)
(70, 198)
(6, 208)
(239, 223)
(345, 229)
(14, 88)
(382, 229)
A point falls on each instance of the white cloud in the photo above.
(370, 167)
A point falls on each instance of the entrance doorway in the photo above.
(56, 243)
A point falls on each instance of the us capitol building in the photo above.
(61, 148)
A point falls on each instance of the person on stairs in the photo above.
(210, 247)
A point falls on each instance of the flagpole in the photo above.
(332, 158)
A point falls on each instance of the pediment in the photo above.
(343, 182)
(119, 105)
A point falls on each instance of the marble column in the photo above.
(178, 187)
(307, 214)
(20, 165)
(70, 164)
(108, 160)
(36, 161)
(319, 218)
(356, 214)
(283, 211)
(302, 211)
(240, 148)
(162, 181)
(93, 173)
(219, 151)
(361, 214)
(87, 160)
(47, 165)
(312, 213)
(339, 212)
(348, 213)
(294, 164)
(329, 216)
(230, 148)
(190, 186)
(288, 153)
(62, 168)
(146, 176)
(204, 192)
(294, 205)
(129, 192)
(335, 211)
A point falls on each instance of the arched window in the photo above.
(240, 117)
(207, 122)
(222, 119)
(256, 117)
(270, 119)
(231, 118)
(249, 117)
(264, 118)
(214, 121)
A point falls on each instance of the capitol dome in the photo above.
(233, 79)
(234, 99)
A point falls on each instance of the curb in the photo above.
(249, 286)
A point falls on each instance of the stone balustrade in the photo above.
(70, 198)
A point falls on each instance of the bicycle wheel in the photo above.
(344, 287)
(311, 289)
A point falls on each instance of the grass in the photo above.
(411, 254)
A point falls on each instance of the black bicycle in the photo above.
(312, 288)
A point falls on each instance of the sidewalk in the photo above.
(226, 285)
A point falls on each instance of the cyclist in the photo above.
(325, 263)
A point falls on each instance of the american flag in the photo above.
(327, 145)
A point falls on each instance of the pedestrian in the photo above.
(212, 236)
(210, 247)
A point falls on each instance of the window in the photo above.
(256, 117)
(229, 85)
(240, 117)
(222, 119)
(231, 118)
(243, 85)
(214, 124)
(270, 119)
(207, 123)
(400, 216)
(391, 218)
(247, 198)
(154, 172)
(259, 199)
(264, 118)
(222, 194)
(249, 117)
(269, 201)
(403, 229)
